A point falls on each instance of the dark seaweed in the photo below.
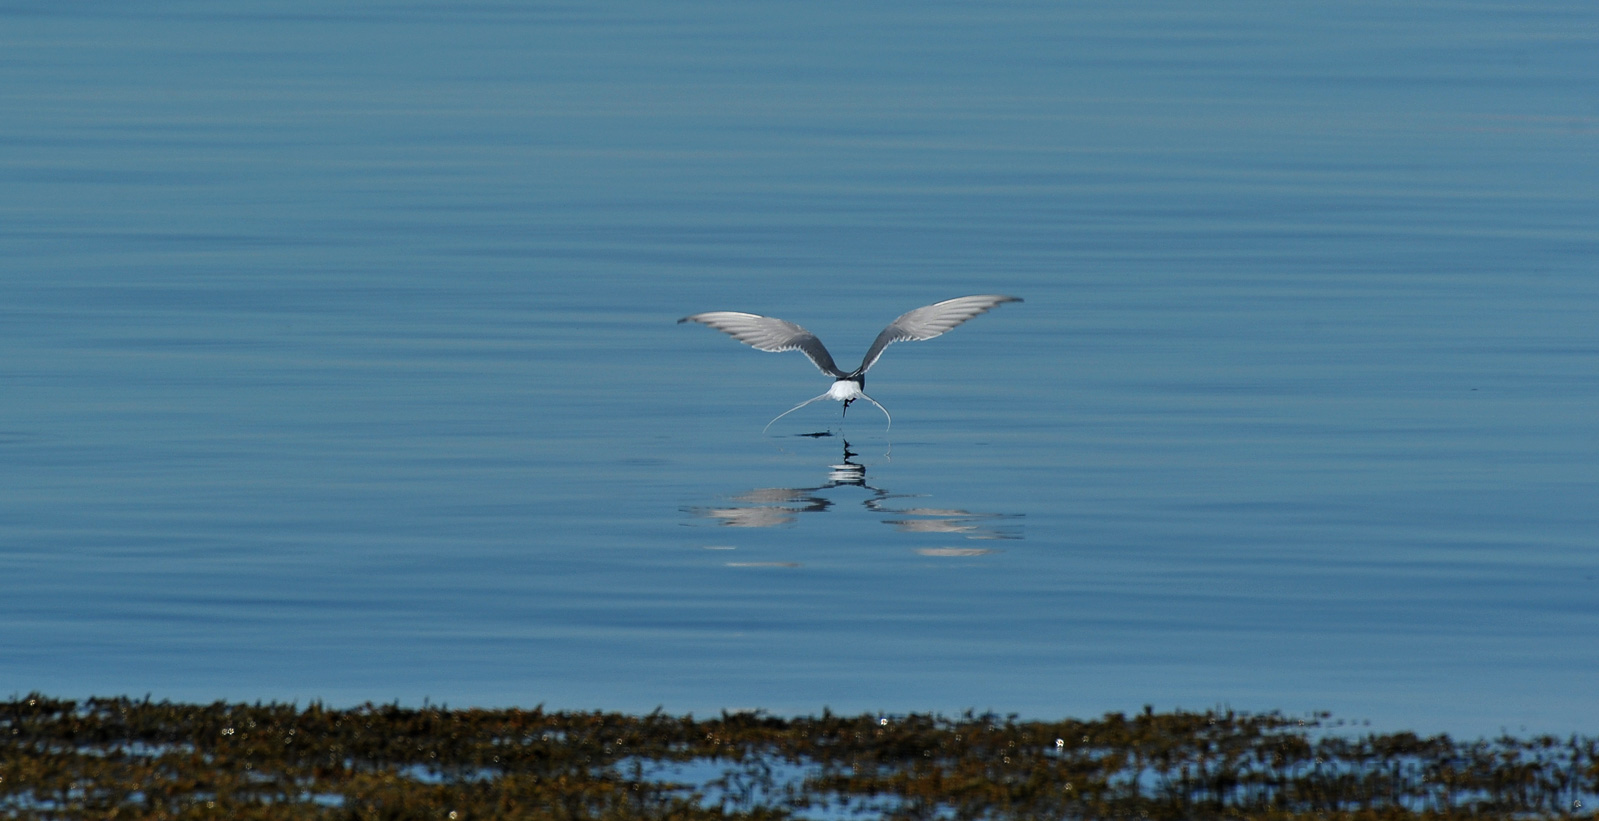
(119, 758)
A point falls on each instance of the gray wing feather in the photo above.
(768, 333)
(930, 321)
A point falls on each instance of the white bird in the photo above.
(768, 333)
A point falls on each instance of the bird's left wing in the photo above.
(929, 321)
(768, 333)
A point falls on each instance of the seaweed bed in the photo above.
(119, 758)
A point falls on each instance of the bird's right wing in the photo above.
(929, 321)
(768, 333)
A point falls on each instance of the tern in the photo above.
(768, 333)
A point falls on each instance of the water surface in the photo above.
(339, 357)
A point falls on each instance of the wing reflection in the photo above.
(777, 506)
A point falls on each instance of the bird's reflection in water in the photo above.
(771, 507)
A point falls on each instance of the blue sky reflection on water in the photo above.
(340, 358)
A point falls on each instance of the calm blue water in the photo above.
(338, 357)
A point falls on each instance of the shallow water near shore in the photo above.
(340, 358)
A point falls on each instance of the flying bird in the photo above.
(768, 333)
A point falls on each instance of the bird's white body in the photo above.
(768, 333)
(846, 390)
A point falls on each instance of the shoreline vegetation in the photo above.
(123, 758)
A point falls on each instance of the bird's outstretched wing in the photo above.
(768, 333)
(929, 321)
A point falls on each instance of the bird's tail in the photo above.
(797, 407)
(829, 395)
(883, 409)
